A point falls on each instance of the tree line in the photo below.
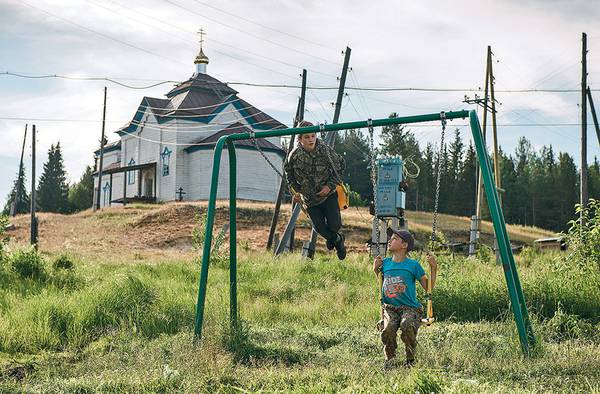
(53, 192)
(541, 187)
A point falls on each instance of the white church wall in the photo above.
(256, 180)
(167, 182)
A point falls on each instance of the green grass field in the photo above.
(308, 326)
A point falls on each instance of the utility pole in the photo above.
(330, 139)
(494, 128)
(101, 154)
(589, 95)
(483, 130)
(298, 118)
(15, 203)
(34, 229)
(584, 180)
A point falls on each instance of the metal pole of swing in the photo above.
(330, 139)
(101, 154)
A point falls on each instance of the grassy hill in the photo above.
(144, 229)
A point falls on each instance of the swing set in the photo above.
(517, 299)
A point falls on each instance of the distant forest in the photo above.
(541, 186)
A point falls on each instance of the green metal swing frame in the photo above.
(518, 306)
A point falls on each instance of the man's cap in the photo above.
(405, 235)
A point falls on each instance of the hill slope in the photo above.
(167, 228)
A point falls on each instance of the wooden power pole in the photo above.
(34, 229)
(297, 119)
(584, 179)
(14, 207)
(101, 154)
(330, 138)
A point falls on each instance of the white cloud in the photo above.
(394, 44)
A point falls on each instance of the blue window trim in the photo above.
(131, 174)
(106, 196)
(165, 157)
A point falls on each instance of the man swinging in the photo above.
(312, 170)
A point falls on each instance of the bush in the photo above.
(583, 239)
(3, 237)
(564, 326)
(28, 263)
(63, 262)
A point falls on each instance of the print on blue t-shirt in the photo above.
(399, 282)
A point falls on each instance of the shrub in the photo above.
(583, 238)
(28, 263)
(63, 262)
(3, 237)
(563, 326)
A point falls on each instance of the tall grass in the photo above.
(307, 326)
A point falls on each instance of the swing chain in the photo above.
(374, 184)
(253, 138)
(438, 180)
(338, 179)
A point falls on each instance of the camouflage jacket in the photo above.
(307, 172)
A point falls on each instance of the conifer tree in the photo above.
(53, 189)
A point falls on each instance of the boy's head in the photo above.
(399, 240)
(307, 141)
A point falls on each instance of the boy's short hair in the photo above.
(405, 235)
(304, 123)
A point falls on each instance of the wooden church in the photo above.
(165, 152)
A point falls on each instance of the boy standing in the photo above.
(312, 181)
(400, 307)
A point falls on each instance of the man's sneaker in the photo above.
(409, 363)
(340, 247)
(330, 244)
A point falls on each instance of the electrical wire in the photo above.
(266, 27)
(107, 36)
(246, 32)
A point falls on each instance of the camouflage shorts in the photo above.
(405, 318)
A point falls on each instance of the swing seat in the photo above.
(427, 321)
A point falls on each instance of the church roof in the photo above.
(109, 147)
(203, 82)
(199, 99)
(235, 128)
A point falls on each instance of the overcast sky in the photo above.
(433, 44)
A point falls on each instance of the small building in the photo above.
(165, 152)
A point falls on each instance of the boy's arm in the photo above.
(377, 263)
(433, 273)
(290, 176)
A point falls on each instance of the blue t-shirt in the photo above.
(399, 282)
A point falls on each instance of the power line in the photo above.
(87, 79)
(267, 27)
(211, 40)
(23, 118)
(285, 86)
(99, 33)
(246, 32)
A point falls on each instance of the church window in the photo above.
(131, 174)
(166, 159)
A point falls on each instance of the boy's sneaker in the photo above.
(330, 244)
(409, 363)
(340, 247)
(389, 364)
